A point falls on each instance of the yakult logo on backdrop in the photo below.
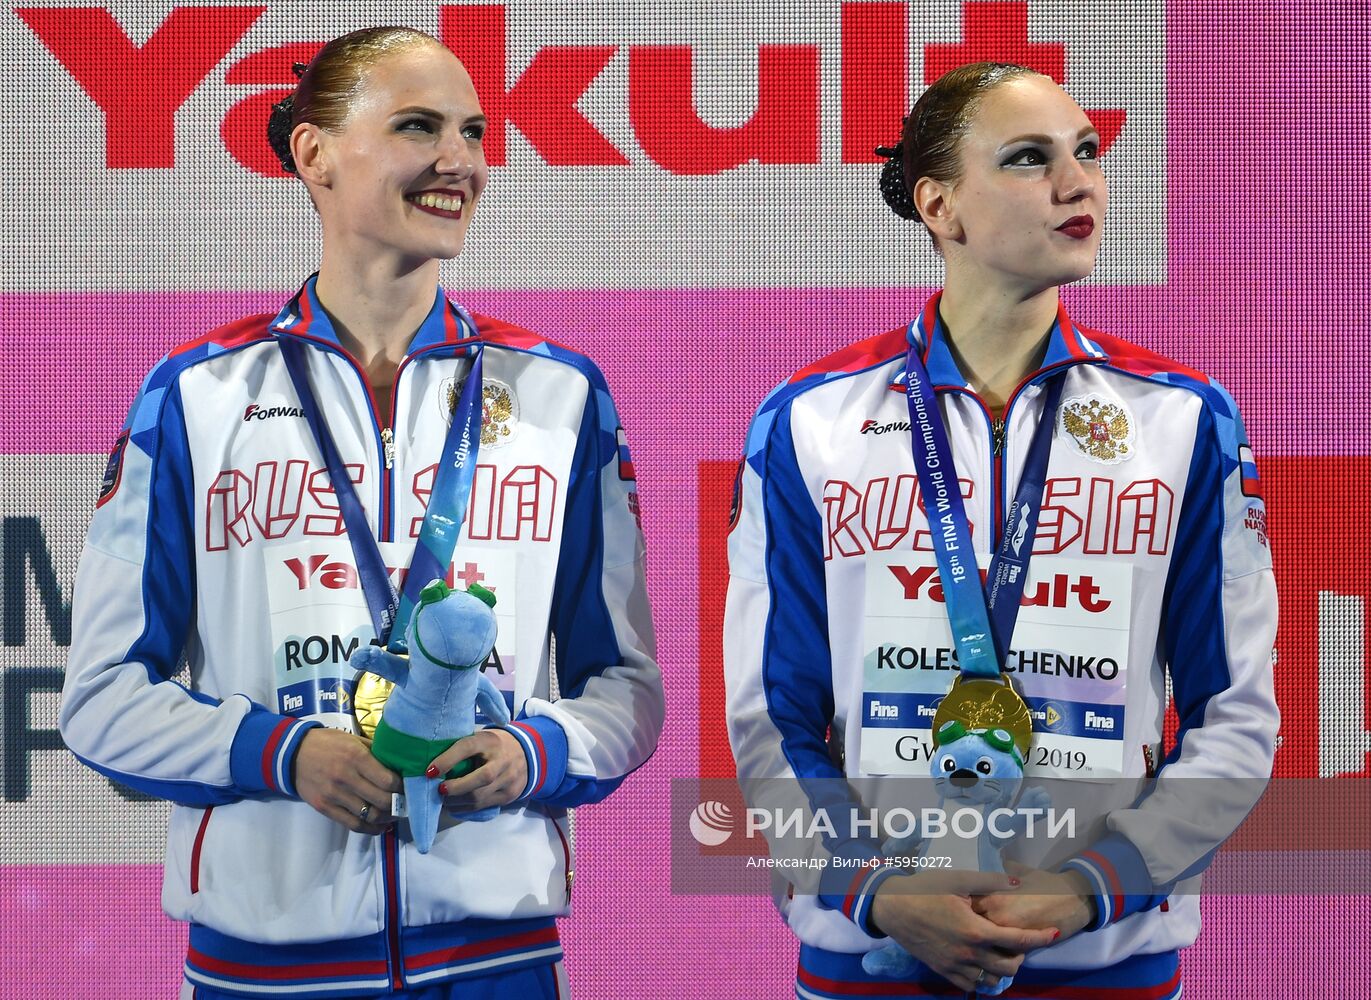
(542, 101)
(698, 98)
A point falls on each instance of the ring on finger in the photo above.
(980, 979)
(364, 812)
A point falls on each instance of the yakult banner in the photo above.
(718, 127)
(687, 193)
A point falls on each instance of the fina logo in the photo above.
(711, 823)
(884, 710)
(1093, 720)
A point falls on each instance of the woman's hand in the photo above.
(500, 776)
(931, 916)
(337, 775)
(1043, 899)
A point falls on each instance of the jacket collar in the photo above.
(304, 317)
(1066, 345)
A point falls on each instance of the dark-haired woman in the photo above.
(856, 544)
(279, 482)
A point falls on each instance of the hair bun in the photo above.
(893, 187)
(279, 127)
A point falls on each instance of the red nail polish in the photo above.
(432, 771)
(1056, 934)
(1014, 882)
(442, 789)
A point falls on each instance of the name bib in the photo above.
(1068, 659)
(320, 618)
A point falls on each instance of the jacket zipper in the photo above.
(390, 845)
(387, 525)
(390, 851)
(390, 858)
(997, 436)
(385, 437)
(999, 433)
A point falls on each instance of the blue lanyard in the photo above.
(982, 644)
(447, 505)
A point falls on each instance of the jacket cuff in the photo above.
(263, 752)
(850, 881)
(1117, 872)
(545, 749)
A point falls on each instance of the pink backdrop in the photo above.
(1267, 213)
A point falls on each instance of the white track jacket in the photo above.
(218, 538)
(1150, 559)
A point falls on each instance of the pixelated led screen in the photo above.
(686, 192)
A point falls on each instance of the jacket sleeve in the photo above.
(1217, 634)
(132, 616)
(778, 671)
(605, 723)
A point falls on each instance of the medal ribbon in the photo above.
(447, 505)
(982, 644)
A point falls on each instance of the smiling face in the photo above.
(1027, 211)
(403, 175)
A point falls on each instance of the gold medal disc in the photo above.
(982, 703)
(368, 700)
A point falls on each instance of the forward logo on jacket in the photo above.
(255, 411)
(870, 426)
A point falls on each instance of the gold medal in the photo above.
(982, 703)
(368, 700)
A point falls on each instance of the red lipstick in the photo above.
(1078, 227)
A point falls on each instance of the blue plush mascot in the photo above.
(973, 769)
(437, 690)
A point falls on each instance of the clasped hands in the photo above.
(336, 774)
(973, 926)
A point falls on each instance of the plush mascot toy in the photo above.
(437, 689)
(973, 769)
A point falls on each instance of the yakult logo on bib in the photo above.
(318, 570)
(1061, 590)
